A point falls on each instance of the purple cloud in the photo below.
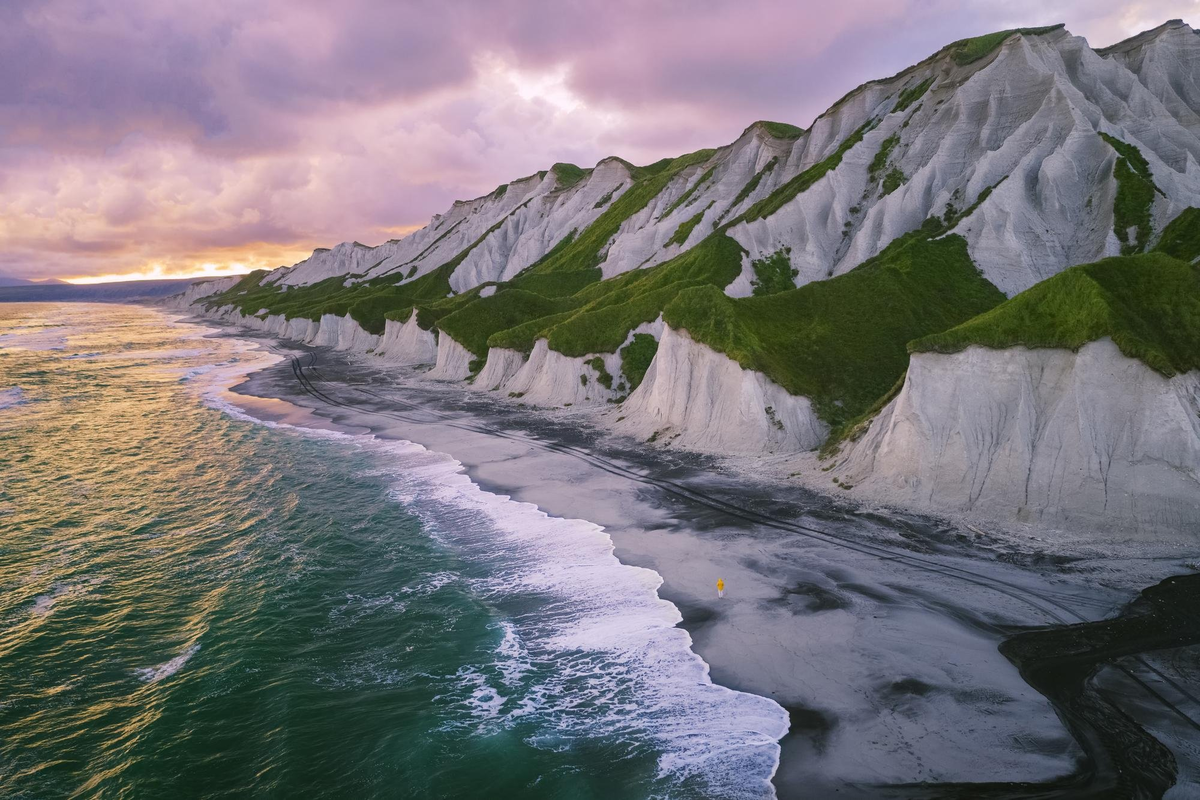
(137, 132)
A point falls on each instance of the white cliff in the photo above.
(1023, 121)
(697, 398)
(453, 360)
(406, 343)
(1165, 60)
(1091, 441)
(549, 378)
(502, 364)
(199, 290)
(1029, 114)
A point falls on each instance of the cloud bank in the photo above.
(140, 137)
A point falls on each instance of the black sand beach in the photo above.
(882, 634)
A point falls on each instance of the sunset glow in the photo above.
(385, 115)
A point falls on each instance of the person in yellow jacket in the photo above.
(720, 587)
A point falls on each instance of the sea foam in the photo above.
(594, 651)
(166, 669)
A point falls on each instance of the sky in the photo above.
(142, 138)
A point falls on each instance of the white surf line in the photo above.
(707, 731)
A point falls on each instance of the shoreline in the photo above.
(637, 497)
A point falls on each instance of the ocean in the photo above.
(196, 602)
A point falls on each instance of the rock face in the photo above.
(1022, 121)
(406, 343)
(1091, 441)
(1028, 115)
(453, 361)
(695, 397)
(1017, 150)
(201, 289)
(502, 364)
(1164, 60)
(548, 378)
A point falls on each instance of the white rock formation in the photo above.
(453, 360)
(351, 337)
(327, 331)
(549, 378)
(695, 397)
(1030, 112)
(502, 364)
(406, 343)
(198, 290)
(1165, 60)
(1090, 441)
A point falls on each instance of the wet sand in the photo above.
(880, 633)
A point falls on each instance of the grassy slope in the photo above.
(1181, 237)
(566, 269)
(583, 254)
(780, 130)
(568, 174)
(1135, 196)
(802, 182)
(602, 314)
(475, 321)
(1149, 305)
(911, 95)
(681, 234)
(369, 303)
(636, 357)
(842, 342)
(966, 51)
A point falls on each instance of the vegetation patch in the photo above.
(584, 253)
(610, 309)
(602, 314)
(752, 184)
(1148, 304)
(774, 273)
(802, 182)
(1135, 196)
(567, 175)
(603, 201)
(603, 377)
(474, 323)
(636, 357)
(880, 161)
(912, 94)
(779, 130)
(966, 51)
(687, 196)
(681, 234)
(1181, 238)
(842, 342)
(893, 181)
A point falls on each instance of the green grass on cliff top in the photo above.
(1148, 304)
(1181, 238)
(599, 317)
(842, 342)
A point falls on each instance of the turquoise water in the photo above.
(193, 602)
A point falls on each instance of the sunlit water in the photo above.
(193, 602)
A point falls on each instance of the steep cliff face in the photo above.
(453, 361)
(798, 267)
(696, 398)
(200, 290)
(1017, 133)
(407, 343)
(1089, 440)
(1165, 61)
(1009, 128)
